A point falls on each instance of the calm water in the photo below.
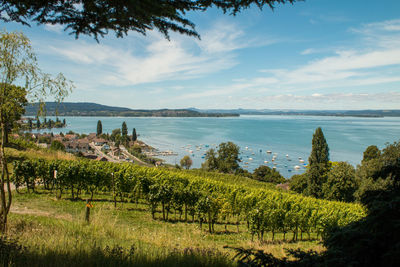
(285, 135)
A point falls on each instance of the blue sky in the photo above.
(317, 54)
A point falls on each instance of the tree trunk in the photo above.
(5, 201)
(186, 213)
(209, 222)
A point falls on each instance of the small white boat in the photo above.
(250, 158)
(287, 155)
(246, 147)
(301, 161)
(265, 161)
(297, 167)
(269, 152)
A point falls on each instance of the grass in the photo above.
(54, 231)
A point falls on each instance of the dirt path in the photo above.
(27, 211)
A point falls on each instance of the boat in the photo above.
(287, 155)
(301, 161)
(250, 158)
(297, 167)
(269, 152)
(265, 161)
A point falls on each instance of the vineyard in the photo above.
(188, 196)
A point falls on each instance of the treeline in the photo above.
(340, 180)
(45, 124)
(97, 110)
(192, 197)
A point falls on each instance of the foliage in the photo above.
(298, 183)
(124, 134)
(266, 174)
(18, 64)
(372, 152)
(12, 106)
(225, 160)
(57, 145)
(116, 135)
(186, 162)
(209, 200)
(341, 183)
(97, 18)
(134, 135)
(99, 130)
(318, 164)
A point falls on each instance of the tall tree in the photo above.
(124, 134)
(99, 128)
(18, 63)
(97, 18)
(318, 164)
(134, 135)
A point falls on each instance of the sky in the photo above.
(316, 54)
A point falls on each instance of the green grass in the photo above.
(54, 231)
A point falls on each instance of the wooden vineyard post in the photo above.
(87, 213)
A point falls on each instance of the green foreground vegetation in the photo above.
(54, 232)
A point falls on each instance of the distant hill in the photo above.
(339, 113)
(93, 109)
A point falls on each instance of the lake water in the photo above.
(347, 137)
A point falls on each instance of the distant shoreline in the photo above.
(97, 110)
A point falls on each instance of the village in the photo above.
(93, 146)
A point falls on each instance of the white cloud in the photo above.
(347, 67)
(159, 60)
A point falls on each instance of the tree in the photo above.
(13, 107)
(227, 160)
(18, 63)
(37, 123)
(134, 136)
(298, 183)
(99, 128)
(372, 152)
(97, 18)
(124, 131)
(116, 135)
(318, 164)
(186, 162)
(228, 157)
(341, 183)
(266, 174)
(211, 161)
